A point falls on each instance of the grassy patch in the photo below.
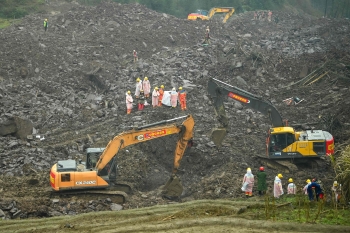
(195, 216)
(4, 23)
(300, 210)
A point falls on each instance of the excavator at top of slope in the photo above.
(206, 15)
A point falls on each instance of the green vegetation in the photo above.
(4, 23)
(200, 216)
(10, 9)
(342, 169)
(298, 208)
(13, 9)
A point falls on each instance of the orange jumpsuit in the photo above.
(161, 93)
(182, 99)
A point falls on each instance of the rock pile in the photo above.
(70, 84)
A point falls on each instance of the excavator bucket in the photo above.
(173, 188)
(218, 135)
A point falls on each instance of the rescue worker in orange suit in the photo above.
(46, 24)
(138, 87)
(161, 93)
(182, 98)
(141, 101)
(128, 101)
(146, 86)
(248, 183)
(155, 97)
(136, 58)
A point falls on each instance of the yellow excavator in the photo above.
(206, 15)
(282, 142)
(98, 171)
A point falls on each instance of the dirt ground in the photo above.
(71, 81)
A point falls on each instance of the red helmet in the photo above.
(261, 168)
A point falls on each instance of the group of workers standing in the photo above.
(313, 188)
(143, 93)
(261, 15)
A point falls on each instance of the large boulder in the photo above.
(16, 126)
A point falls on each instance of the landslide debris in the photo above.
(70, 83)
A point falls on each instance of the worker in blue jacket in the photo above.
(318, 191)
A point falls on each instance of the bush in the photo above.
(342, 169)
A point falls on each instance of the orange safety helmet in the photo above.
(261, 168)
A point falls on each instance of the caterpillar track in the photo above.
(291, 165)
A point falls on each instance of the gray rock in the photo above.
(241, 81)
(239, 64)
(100, 113)
(116, 207)
(54, 213)
(113, 23)
(2, 214)
(55, 201)
(210, 144)
(237, 105)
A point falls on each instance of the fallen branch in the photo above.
(317, 78)
(90, 139)
(33, 170)
(281, 205)
(46, 120)
(168, 218)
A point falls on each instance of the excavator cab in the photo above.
(202, 12)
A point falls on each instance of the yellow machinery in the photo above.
(98, 171)
(282, 141)
(206, 15)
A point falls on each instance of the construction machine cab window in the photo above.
(202, 12)
(280, 141)
(65, 177)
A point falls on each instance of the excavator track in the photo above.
(118, 197)
(291, 165)
(282, 165)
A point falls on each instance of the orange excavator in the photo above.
(98, 172)
(206, 15)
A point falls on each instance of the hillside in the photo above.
(70, 82)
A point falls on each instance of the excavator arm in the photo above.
(228, 10)
(218, 92)
(149, 132)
